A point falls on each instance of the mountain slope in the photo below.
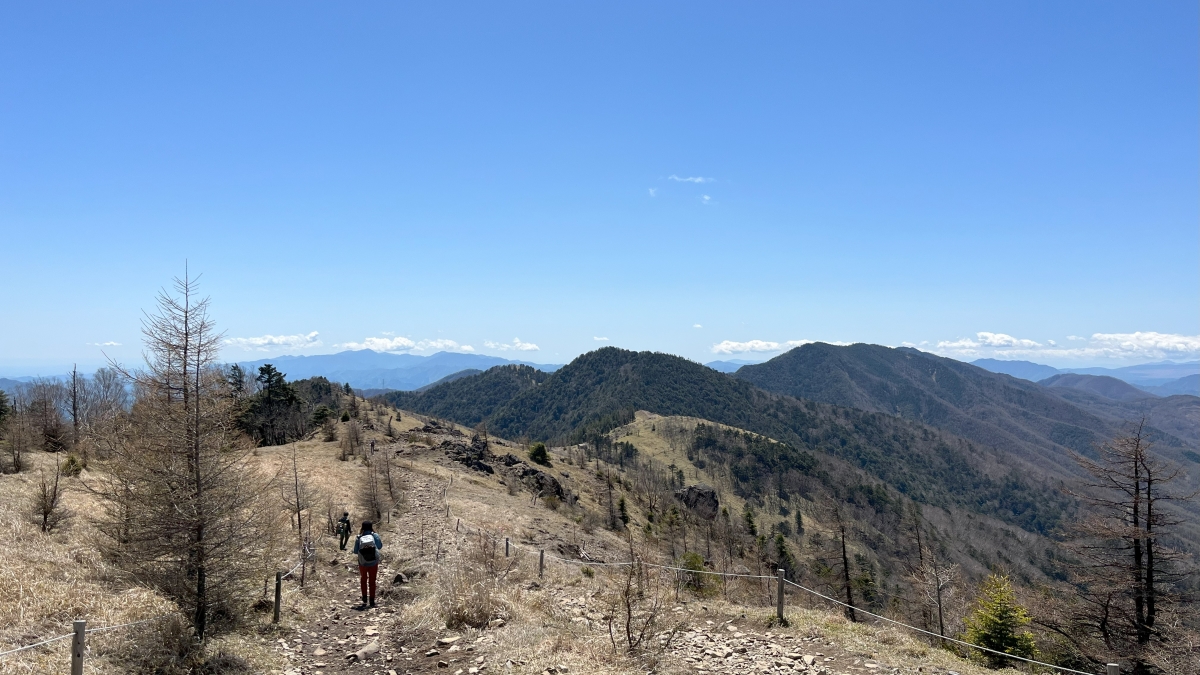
(601, 390)
(1015, 416)
(472, 399)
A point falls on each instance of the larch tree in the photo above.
(183, 511)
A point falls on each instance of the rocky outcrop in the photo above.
(536, 480)
(475, 455)
(701, 499)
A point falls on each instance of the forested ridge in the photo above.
(600, 390)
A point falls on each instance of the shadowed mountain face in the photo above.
(1108, 387)
(1010, 414)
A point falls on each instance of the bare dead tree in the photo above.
(299, 498)
(1129, 574)
(76, 394)
(936, 583)
(846, 585)
(183, 509)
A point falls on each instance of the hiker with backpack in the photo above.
(367, 547)
(343, 529)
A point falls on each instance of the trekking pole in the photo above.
(541, 562)
(506, 547)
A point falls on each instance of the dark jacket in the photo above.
(378, 548)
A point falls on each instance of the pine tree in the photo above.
(996, 622)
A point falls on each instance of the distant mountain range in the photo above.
(1161, 379)
(370, 370)
(729, 366)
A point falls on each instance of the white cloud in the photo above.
(265, 343)
(653, 192)
(103, 344)
(689, 179)
(443, 345)
(403, 344)
(515, 345)
(706, 199)
(1002, 340)
(382, 344)
(600, 339)
(731, 347)
(696, 325)
(1138, 346)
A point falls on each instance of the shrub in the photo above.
(72, 466)
(538, 454)
(345, 416)
(695, 578)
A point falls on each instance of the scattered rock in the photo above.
(448, 640)
(432, 652)
(319, 652)
(495, 623)
(362, 654)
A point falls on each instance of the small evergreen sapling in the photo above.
(997, 621)
(538, 454)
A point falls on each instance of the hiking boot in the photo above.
(372, 602)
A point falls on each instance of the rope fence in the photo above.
(1111, 668)
(81, 629)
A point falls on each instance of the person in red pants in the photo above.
(367, 547)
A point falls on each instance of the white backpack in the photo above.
(366, 547)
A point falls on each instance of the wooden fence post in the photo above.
(506, 547)
(78, 644)
(278, 595)
(541, 562)
(779, 598)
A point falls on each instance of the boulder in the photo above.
(701, 499)
(473, 455)
(535, 480)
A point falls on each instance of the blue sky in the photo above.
(714, 180)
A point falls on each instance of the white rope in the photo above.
(942, 637)
(37, 644)
(89, 630)
(809, 590)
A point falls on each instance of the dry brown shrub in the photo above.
(472, 589)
